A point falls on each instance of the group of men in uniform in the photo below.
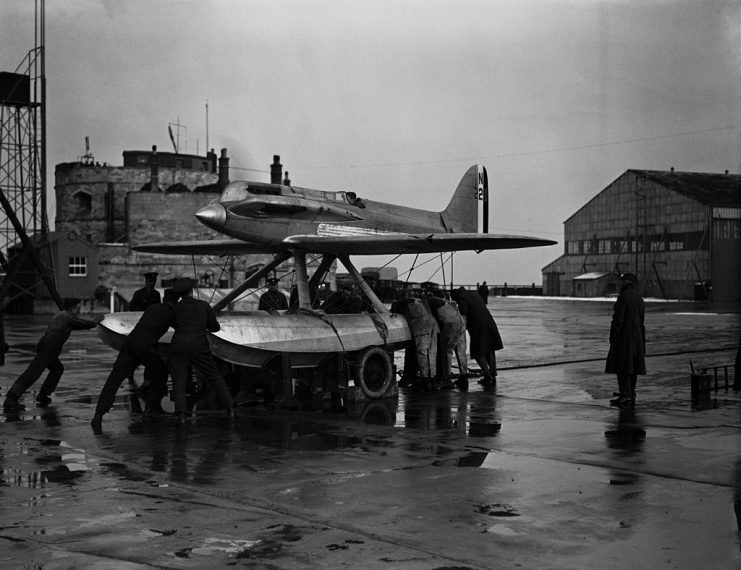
(191, 319)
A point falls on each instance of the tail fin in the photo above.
(462, 213)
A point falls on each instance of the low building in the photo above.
(74, 268)
(679, 232)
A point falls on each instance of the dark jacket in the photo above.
(143, 298)
(194, 316)
(627, 334)
(479, 322)
(153, 324)
(62, 324)
(272, 301)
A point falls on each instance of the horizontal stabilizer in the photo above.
(203, 247)
(410, 243)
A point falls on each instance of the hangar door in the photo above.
(726, 259)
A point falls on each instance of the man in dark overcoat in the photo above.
(189, 346)
(627, 355)
(485, 337)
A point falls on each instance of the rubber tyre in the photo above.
(373, 371)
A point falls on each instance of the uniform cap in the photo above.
(272, 281)
(629, 277)
(152, 274)
(182, 285)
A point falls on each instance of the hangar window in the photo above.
(726, 229)
(77, 266)
(604, 246)
(586, 246)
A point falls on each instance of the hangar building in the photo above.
(679, 232)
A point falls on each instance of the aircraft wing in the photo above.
(389, 244)
(204, 247)
(377, 244)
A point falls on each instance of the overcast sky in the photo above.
(396, 99)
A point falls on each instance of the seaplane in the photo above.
(293, 222)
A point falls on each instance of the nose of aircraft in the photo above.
(213, 216)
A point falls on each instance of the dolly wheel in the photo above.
(373, 371)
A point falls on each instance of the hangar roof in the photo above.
(723, 190)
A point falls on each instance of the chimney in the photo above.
(286, 180)
(223, 170)
(276, 170)
(154, 185)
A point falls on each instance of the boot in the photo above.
(43, 400)
(12, 404)
(97, 423)
(446, 384)
(462, 383)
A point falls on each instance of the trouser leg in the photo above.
(204, 362)
(123, 367)
(633, 382)
(483, 363)
(155, 375)
(421, 346)
(462, 354)
(624, 385)
(56, 369)
(32, 373)
(432, 348)
(179, 370)
(492, 361)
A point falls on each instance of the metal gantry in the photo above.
(24, 253)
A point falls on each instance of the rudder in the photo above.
(461, 214)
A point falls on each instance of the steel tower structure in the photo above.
(24, 227)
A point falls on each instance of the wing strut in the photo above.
(252, 280)
(302, 280)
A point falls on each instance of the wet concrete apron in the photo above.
(539, 473)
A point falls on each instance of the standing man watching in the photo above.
(273, 299)
(147, 295)
(189, 345)
(48, 350)
(627, 355)
(484, 292)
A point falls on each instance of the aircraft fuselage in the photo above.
(267, 213)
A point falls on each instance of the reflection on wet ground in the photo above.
(541, 469)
